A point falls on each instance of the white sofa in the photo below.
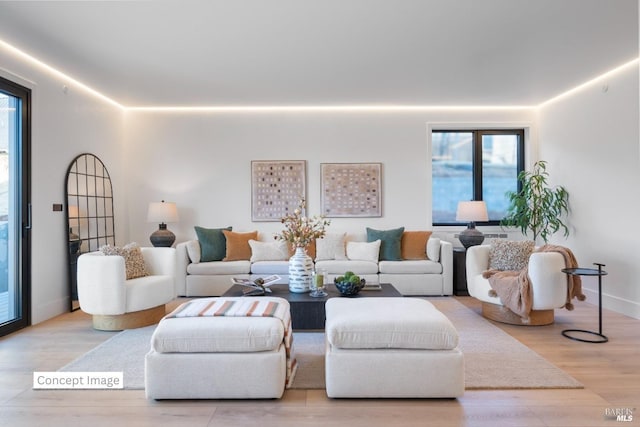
(410, 277)
(548, 284)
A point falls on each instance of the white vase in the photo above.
(300, 270)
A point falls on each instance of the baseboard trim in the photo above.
(613, 303)
(42, 312)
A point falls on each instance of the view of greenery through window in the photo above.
(474, 165)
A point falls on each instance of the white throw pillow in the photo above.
(363, 251)
(193, 250)
(268, 251)
(330, 247)
(433, 249)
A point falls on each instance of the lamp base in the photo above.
(470, 236)
(162, 238)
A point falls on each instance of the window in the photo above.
(15, 207)
(474, 165)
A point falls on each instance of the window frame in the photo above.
(22, 205)
(476, 167)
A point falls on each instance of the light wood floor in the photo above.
(610, 373)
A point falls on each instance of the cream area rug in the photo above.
(493, 359)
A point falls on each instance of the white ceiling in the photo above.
(326, 52)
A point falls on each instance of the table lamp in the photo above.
(162, 212)
(471, 211)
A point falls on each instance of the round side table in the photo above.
(589, 272)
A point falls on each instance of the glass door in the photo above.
(15, 208)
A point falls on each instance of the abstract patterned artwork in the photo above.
(351, 189)
(276, 188)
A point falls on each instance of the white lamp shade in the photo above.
(162, 212)
(472, 211)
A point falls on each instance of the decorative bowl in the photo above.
(349, 289)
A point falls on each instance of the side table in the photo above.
(589, 272)
(460, 272)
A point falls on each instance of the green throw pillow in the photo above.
(213, 244)
(390, 243)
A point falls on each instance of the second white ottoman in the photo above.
(391, 347)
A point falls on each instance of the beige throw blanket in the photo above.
(514, 287)
(249, 307)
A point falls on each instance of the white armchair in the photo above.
(117, 303)
(548, 284)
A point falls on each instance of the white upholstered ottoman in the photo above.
(391, 347)
(206, 350)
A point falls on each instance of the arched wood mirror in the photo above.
(89, 212)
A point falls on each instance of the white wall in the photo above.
(202, 161)
(591, 141)
(63, 126)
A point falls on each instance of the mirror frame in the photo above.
(89, 213)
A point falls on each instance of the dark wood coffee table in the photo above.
(307, 312)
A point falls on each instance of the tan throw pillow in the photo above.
(311, 249)
(238, 248)
(414, 244)
(509, 255)
(133, 259)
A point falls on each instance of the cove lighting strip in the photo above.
(310, 108)
(600, 78)
(57, 73)
(327, 108)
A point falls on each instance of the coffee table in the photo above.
(307, 312)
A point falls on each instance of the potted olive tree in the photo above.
(537, 207)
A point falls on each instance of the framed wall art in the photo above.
(276, 188)
(351, 189)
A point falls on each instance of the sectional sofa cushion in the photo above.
(268, 251)
(410, 266)
(220, 268)
(213, 243)
(133, 260)
(363, 251)
(238, 245)
(331, 246)
(404, 323)
(267, 268)
(217, 334)
(339, 267)
(414, 244)
(390, 242)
